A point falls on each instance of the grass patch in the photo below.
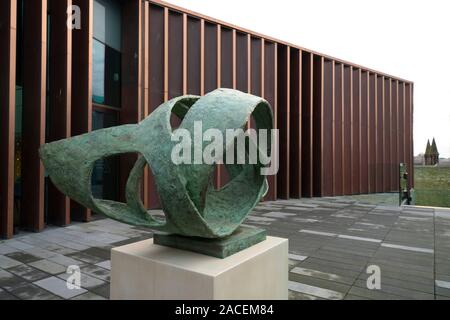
(432, 186)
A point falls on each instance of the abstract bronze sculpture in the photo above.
(191, 204)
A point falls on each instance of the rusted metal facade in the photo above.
(344, 128)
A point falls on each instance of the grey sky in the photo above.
(405, 38)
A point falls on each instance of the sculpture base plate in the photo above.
(243, 238)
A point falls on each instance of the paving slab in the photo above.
(402, 292)
(321, 283)
(48, 266)
(6, 262)
(59, 287)
(9, 281)
(322, 275)
(22, 257)
(66, 261)
(88, 296)
(28, 273)
(30, 291)
(85, 257)
(293, 295)
(20, 245)
(104, 264)
(315, 291)
(6, 296)
(97, 272)
(5, 249)
(87, 281)
(102, 291)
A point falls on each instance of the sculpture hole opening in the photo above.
(110, 175)
(105, 179)
(175, 121)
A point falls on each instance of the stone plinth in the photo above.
(144, 270)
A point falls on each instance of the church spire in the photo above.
(428, 148)
(434, 149)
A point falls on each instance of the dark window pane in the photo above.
(112, 82)
(98, 72)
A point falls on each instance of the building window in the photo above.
(107, 56)
(106, 90)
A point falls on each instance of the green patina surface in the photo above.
(191, 204)
(243, 238)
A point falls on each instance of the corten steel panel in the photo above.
(185, 48)
(202, 57)
(283, 110)
(145, 90)
(225, 65)
(210, 73)
(338, 180)
(226, 56)
(193, 56)
(131, 111)
(262, 48)
(327, 129)
(306, 125)
(157, 76)
(401, 123)
(408, 157)
(166, 55)
(60, 99)
(318, 88)
(219, 55)
(394, 135)
(210, 54)
(372, 119)
(8, 24)
(379, 135)
(270, 95)
(255, 71)
(387, 163)
(158, 79)
(249, 68)
(234, 58)
(82, 86)
(364, 136)
(175, 54)
(34, 104)
(347, 131)
(156, 56)
(221, 174)
(295, 164)
(241, 62)
(356, 132)
(256, 67)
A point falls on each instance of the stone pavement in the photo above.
(332, 241)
